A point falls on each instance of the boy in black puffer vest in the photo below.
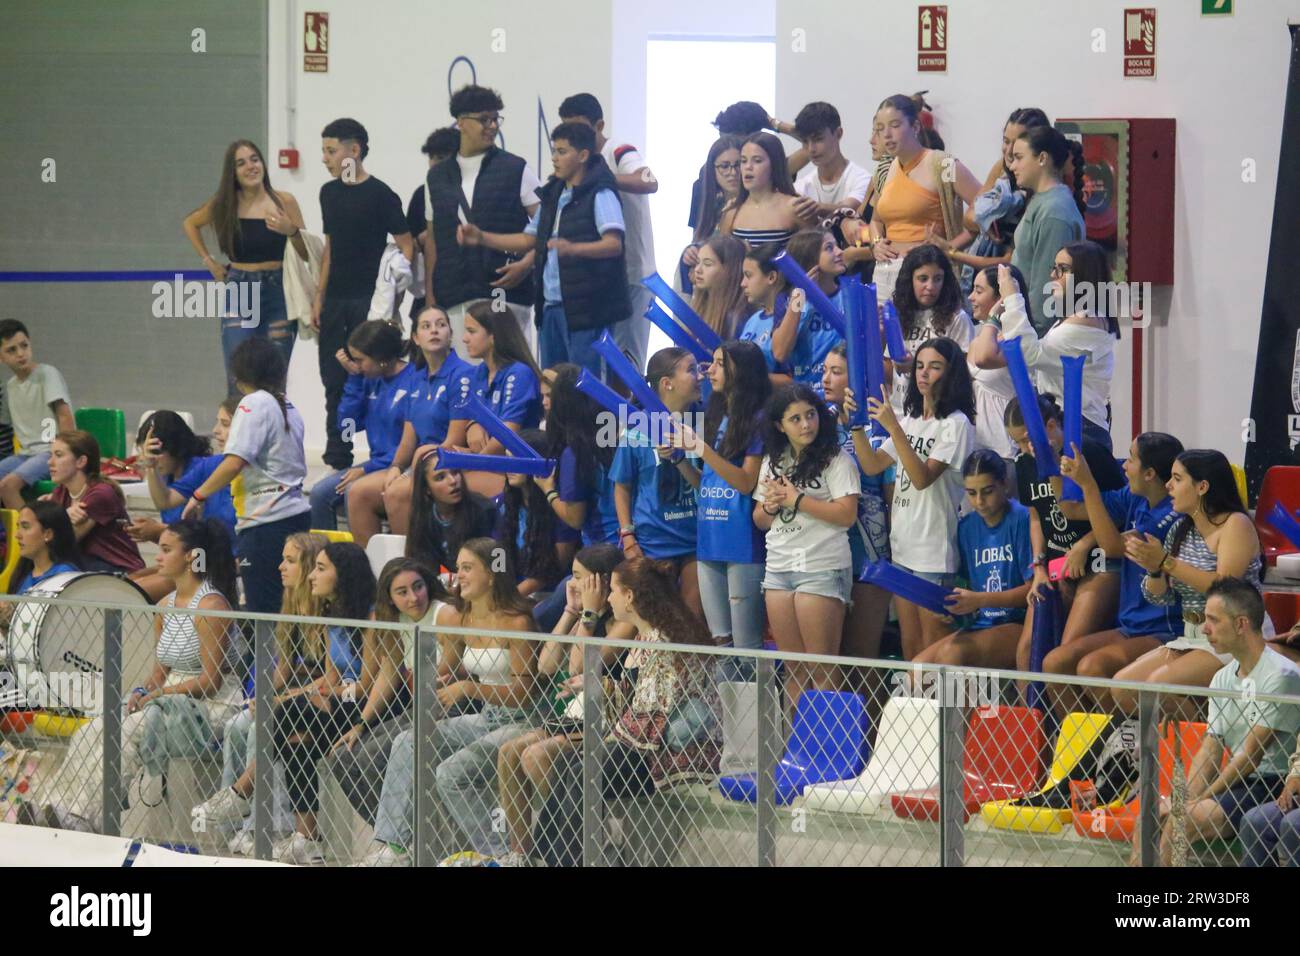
(578, 233)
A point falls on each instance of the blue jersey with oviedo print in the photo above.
(997, 558)
(428, 407)
(665, 528)
(513, 393)
(724, 517)
(816, 339)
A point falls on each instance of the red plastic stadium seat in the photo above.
(1281, 484)
(1283, 609)
(1117, 821)
(1003, 760)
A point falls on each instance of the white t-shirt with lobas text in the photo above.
(923, 536)
(800, 542)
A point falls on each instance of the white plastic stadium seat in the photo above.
(906, 757)
(383, 548)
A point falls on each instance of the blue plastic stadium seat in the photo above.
(828, 742)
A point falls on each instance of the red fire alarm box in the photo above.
(288, 159)
(1128, 187)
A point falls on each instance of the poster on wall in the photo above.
(932, 39)
(1140, 42)
(316, 43)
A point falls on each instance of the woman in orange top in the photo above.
(911, 204)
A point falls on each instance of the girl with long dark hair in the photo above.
(252, 222)
(264, 454)
(1215, 539)
(172, 455)
(308, 725)
(930, 304)
(807, 500)
(444, 514)
(47, 545)
(538, 544)
(730, 549)
(929, 444)
(499, 674)
(579, 491)
(766, 209)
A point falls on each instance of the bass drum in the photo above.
(55, 653)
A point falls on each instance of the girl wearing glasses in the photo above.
(1079, 271)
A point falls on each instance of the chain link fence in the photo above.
(634, 754)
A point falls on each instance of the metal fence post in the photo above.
(425, 726)
(952, 744)
(1149, 776)
(593, 756)
(769, 737)
(112, 711)
(263, 737)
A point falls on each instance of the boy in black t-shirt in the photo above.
(359, 212)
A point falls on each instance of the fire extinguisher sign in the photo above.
(316, 43)
(932, 39)
(1140, 42)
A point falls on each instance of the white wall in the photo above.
(388, 68)
(1222, 79)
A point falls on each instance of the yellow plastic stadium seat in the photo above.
(1077, 735)
(9, 521)
(335, 535)
(1239, 474)
(56, 725)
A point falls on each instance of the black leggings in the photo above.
(303, 732)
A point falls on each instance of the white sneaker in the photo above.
(382, 854)
(225, 808)
(241, 844)
(298, 850)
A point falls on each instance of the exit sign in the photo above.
(1216, 8)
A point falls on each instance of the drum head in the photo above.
(62, 648)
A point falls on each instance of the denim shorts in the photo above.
(945, 579)
(1244, 797)
(837, 583)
